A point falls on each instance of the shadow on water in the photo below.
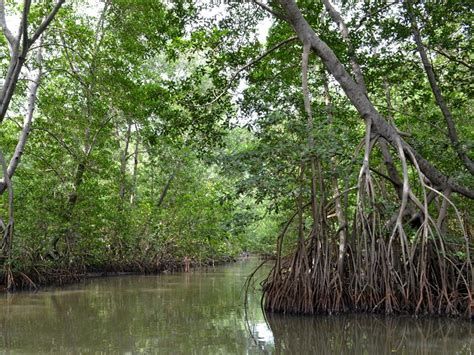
(202, 313)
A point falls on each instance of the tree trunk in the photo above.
(133, 192)
(123, 163)
(165, 190)
(32, 94)
(19, 49)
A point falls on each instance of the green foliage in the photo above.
(146, 147)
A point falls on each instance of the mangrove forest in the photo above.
(332, 140)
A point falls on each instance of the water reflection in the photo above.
(201, 313)
(369, 334)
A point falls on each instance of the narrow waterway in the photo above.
(202, 313)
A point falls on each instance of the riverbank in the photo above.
(43, 275)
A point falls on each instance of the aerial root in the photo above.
(389, 270)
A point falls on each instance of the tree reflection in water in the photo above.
(368, 334)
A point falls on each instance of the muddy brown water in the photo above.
(202, 312)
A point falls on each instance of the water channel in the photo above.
(202, 313)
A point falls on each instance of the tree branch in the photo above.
(344, 30)
(25, 131)
(8, 232)
(452, 133)
(18, 55)
(3, 23)
(45, 22)
(270, 10)
(362, 20)
(249, 64)
(451, 58)
(24, 28)
(165, 190)
(360, 101)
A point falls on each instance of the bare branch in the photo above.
(249, 64)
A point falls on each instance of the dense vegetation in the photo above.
(341, 143)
